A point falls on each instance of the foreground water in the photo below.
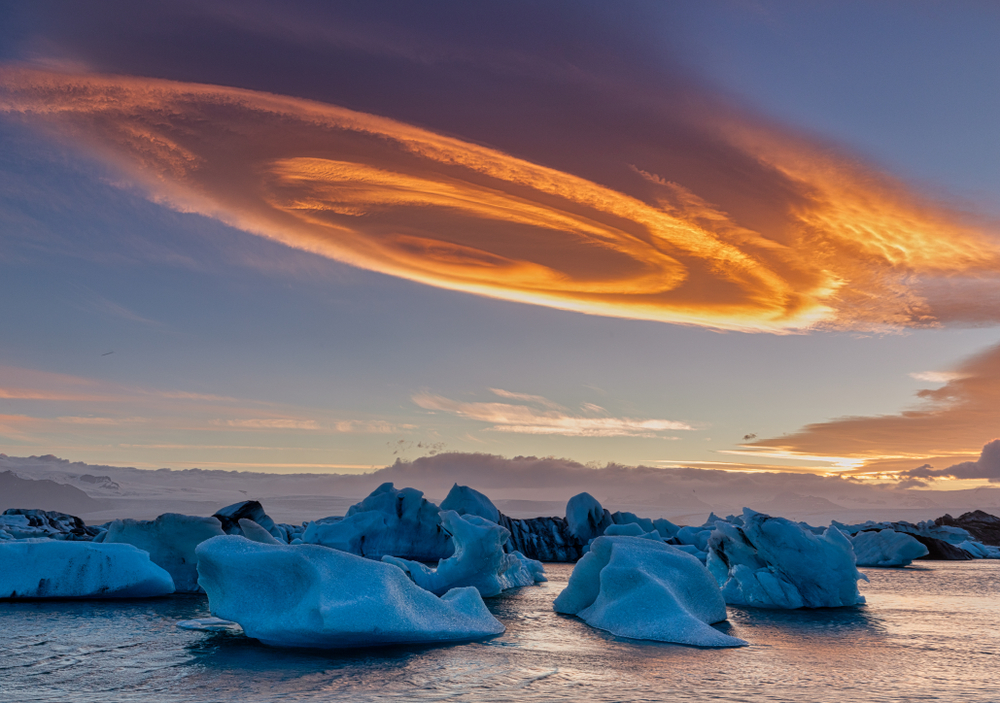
(929, 632)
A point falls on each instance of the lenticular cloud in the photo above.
(851, 249)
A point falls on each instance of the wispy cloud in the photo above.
(846, 245)
(542, 416)
(936, 376)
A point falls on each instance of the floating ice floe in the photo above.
(312, 596)
(46, 568)
(886, 548)
(208, 625)
(771, 562)
(390, 521)
(170, 540)
(468, 501)
(479, 560)
(645, 589)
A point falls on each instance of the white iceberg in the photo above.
(771, 562)
(170, 540)
(478, 561)
(46, 568)
(645, 589)
(312, 596)
(390, 521)
(467, 501)
(886, 548)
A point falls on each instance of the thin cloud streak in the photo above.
(551, 420)
(850, 248)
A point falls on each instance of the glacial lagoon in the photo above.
(929, 632)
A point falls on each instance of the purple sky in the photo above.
(314, 237)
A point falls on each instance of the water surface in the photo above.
(929, 633)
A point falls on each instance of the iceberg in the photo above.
(645, 589)
(886, 548)
(479, 560)
(586, 518)
(46, 568)
(312, 596)
(467, 501)
(390, 521)
(771, 562)
(170, 540)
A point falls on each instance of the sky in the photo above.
(315, 237)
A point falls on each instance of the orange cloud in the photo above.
(848, 248)
(949, 424)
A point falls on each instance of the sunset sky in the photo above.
(322, 236)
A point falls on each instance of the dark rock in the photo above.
(543, 538)
(54, 522)
(982, 526)
(940, 550)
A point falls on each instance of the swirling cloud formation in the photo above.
(847, 248)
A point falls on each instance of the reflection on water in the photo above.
(928, 632)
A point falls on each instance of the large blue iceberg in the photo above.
(645, 589)
(47, 568)
(771, 562)
(313, 596)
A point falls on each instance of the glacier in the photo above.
(479, 560)
(47, 568)
(314, 596)
(772, 562)
(645, 589)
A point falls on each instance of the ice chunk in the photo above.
(620, 518)
(231, 515)
(46, 568)
(208, 624)
(255, 533)
(666, 528)
(390, 521)
(770, 562)
(695, 536)
(466, 501)
(645, 589)
(586, 518)
(170, 540)
(311, 596)
(886, 548)
(479, 559)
